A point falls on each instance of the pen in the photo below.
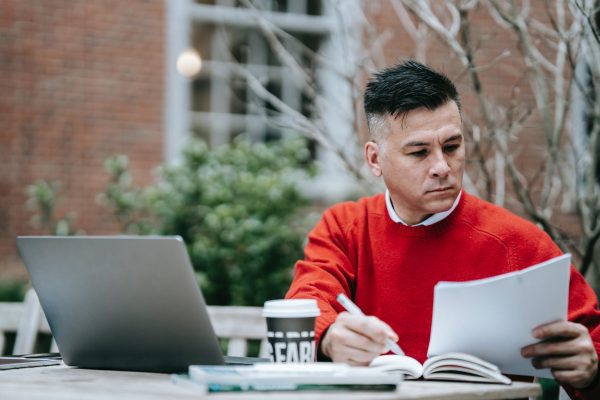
(354, 310)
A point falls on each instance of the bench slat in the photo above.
(235, 323)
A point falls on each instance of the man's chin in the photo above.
(441, 203)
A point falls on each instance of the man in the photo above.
(387, 252)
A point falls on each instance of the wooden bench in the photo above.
(238, 325)
(27, 320)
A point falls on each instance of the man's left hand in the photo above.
(567, 349)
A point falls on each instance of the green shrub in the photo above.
(42, 199)
(12, 290)
(237, 208)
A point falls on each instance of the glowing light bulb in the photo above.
(189, 63)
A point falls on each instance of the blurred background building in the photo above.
(82, 81)
(85, 80)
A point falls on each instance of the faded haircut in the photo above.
(402, 88)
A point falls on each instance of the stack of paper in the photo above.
(493, 318)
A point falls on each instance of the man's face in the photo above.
(421, 159)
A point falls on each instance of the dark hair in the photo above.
(405, 87)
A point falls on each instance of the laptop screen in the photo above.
(121, 302)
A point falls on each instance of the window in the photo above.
(228, 37)
(219, 105)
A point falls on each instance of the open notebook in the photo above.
(451, 366)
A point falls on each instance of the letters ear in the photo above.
(372, 150)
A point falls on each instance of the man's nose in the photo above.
(440, 167)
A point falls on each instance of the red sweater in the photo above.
(390, 269)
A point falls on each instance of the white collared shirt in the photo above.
(429, 221)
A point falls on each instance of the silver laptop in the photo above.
(122, 302)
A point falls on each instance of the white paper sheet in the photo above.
(493, 318)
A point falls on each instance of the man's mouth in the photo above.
(440, 190)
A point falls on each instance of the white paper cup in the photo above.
(291, 329)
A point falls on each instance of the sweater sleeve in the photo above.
(583, 309)
(528, 246)
(326, 270)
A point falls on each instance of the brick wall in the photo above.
(80, 80)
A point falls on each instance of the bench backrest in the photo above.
(235, 324)
(27, 320)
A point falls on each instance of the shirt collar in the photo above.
(429, 221)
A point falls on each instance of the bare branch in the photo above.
(417, 32)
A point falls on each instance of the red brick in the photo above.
(81, 81)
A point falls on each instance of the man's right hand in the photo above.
(356, 339)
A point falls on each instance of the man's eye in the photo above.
(451, 148)
(419, 153)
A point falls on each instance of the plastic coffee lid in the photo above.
(291, 308)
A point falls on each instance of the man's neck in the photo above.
(429, 219)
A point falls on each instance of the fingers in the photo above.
(575, 378)
(560, 363)
(356, 340)
(577, 371)
(567, 349)
(372, 327)
(558, 347)
(355, 356)
(563, 329)
(561, 338)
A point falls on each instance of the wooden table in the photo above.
(65, 383)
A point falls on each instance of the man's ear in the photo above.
(372, 154)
